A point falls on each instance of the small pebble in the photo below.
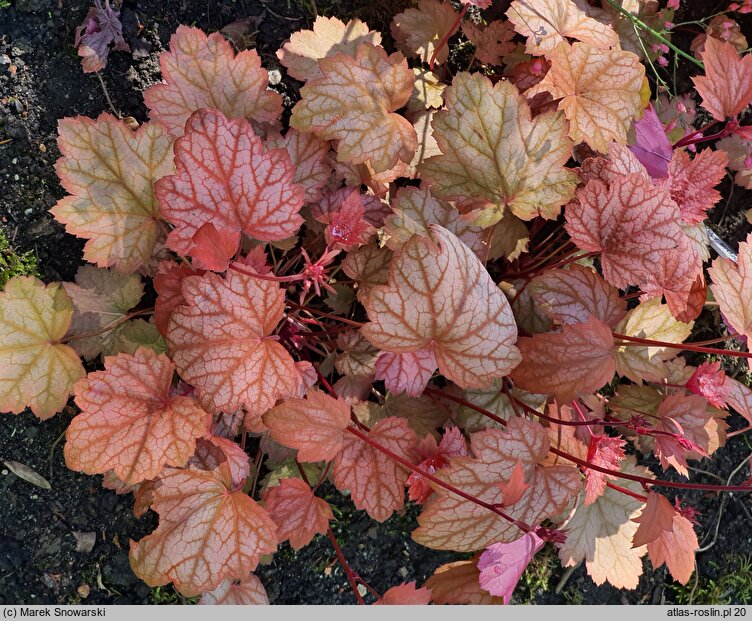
(4, 60)
(275, 77)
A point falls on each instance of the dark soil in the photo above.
(41, 81)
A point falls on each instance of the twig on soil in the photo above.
(107, 96)
(6, 141)
(52, 450)
(565, 578)
(720, 509)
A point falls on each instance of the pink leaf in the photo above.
(652, 146)
(406, 373)
(502, 564)
(226, 178)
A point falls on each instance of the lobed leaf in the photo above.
(227, 179)
(36, 369)
(601, 534)
(371, 132)
(314, 426)
(208, 531)
(450, 522)
(726, 87)
(628, 222)
(440, 297)
(577, 360)
(203, 71)
(376, 482)
(599, 92)
(299, 514)
(732, 287)
(547, 23)
(493, 150)
(330, 36)
(220, 343)
(130, 422)
(109, 172)
(417, 32)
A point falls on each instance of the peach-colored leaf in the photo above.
(579, 359)
(330, 36)
(129, 421)
(432, 457)
(442, 298)
(214, 451)
(492, 42)
(415, 209)
(726, 87)
(649, 320)
(450, 522)
(657, 516)
(513, 489)
(314, 425)
(101, 298)
(310, 159)
(739, 152)
(740, 398)
(417, 32)
(226, 178)
(168, 283)
(493, 150)
(598, 91)
(202, 71)
(695, 431)
(109, 172)
(669, 536)
(678, 277)
(36, 369)
(575, 294)
(212, 247)
(220, 343)
(692, 182)
(628, 221)
(732, 288)
(601, 534)
(546, 23)
(459, 583)
(371, 131)
(369, 266)
(405, 594)
(208, 531)
(298, 513)
(606, 452)
(376, 481)
(249, 591)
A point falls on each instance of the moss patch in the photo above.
(13, 263)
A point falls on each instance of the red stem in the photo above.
(615, 473)
(521, 525)
(351, 578)
(295, 277)
(447, 36)
(682, 346)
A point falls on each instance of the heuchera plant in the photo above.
(474, 285)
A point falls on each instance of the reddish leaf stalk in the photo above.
(585, 464)
(447, 486)
(351, 577)
(635, 340)
(447, 36)
(109, 327)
